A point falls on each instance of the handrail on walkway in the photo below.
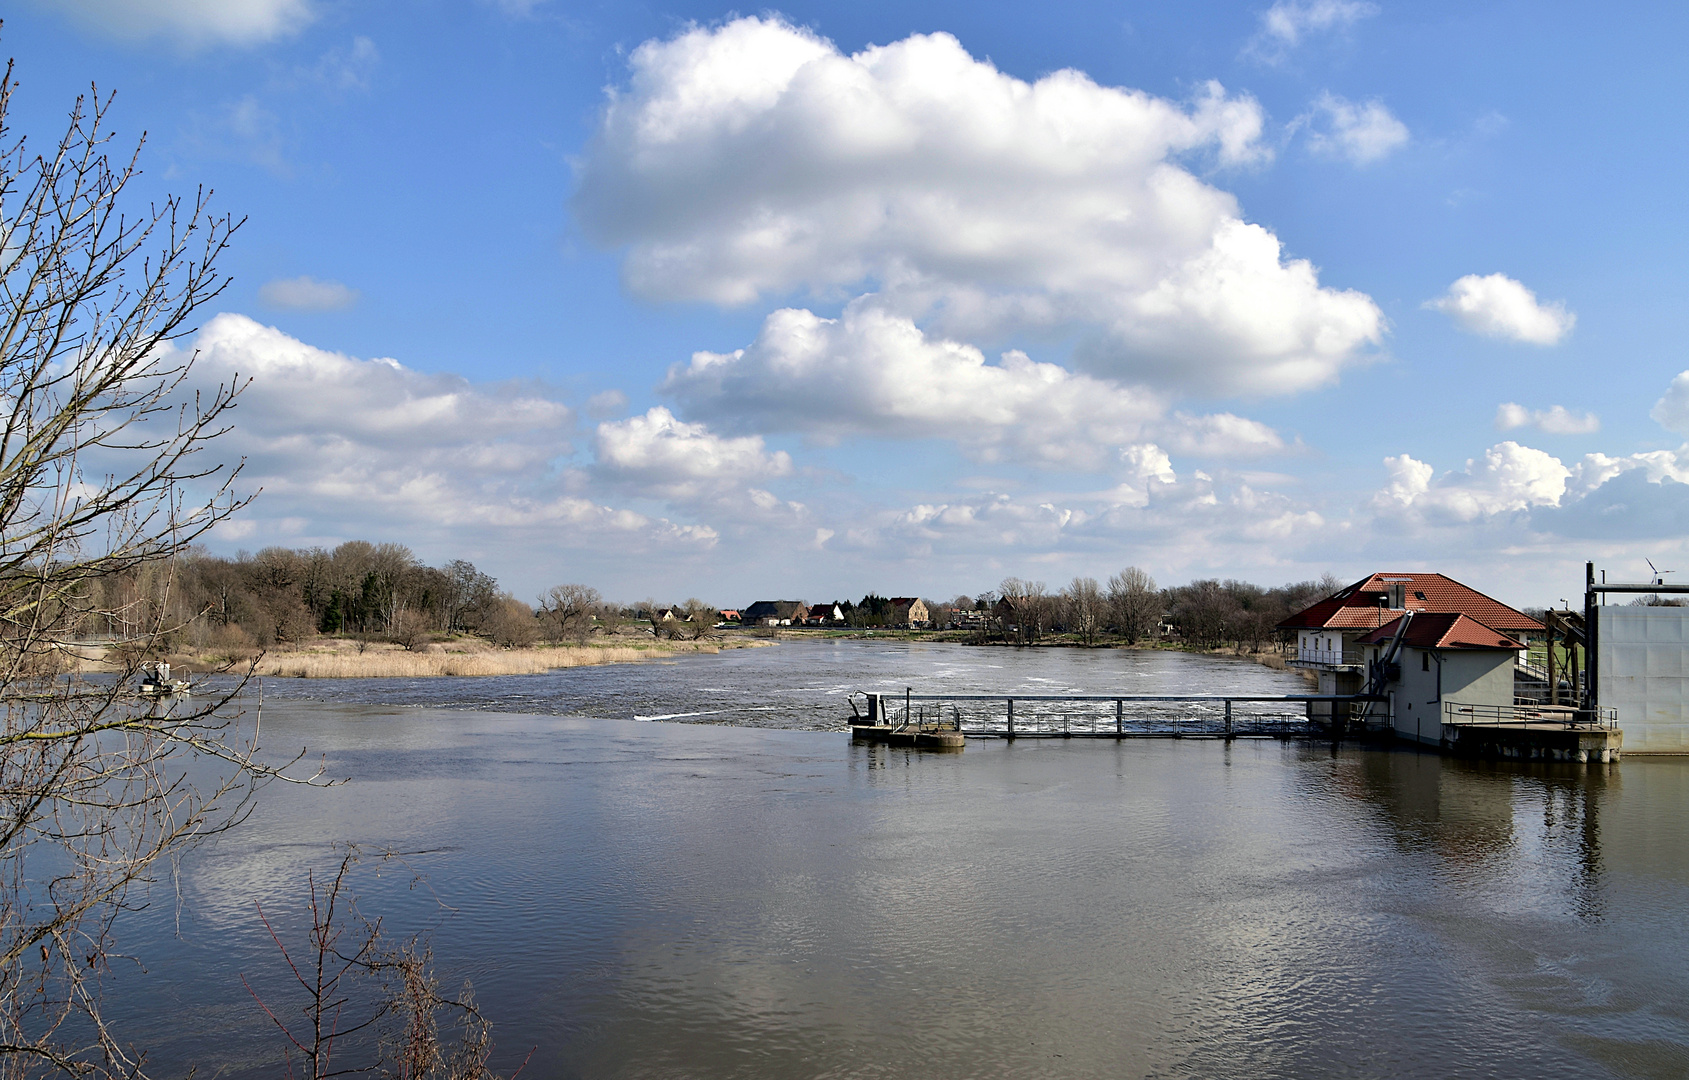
(1457, 713)
(1220, 722)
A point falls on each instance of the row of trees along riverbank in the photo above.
(283, 598)
(1129, 609)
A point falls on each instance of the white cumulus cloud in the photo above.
(681, 460)
(979, 204)
(1362, 132)
(1556, 420)
(1497, 306)
(307, 294)
(345, 447)
(874, 372)
(193, 23)
(1508, 477)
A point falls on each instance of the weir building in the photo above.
(1457, 645)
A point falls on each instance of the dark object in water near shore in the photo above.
(156, 681)
(918, 733)
(918, 736)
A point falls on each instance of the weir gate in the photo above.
(1106, 716)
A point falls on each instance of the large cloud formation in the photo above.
(872, 372)
(343, 446)
(755, 160)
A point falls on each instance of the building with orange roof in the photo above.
(1425, 664)
(1329, 634)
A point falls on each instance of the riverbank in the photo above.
(348, 658)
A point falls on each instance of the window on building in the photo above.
(1424, 661)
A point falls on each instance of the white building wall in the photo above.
(1470, 677)
(1643, 673)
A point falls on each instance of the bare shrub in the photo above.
(104, 480)
(410, 629)
(512, 624)
(357, 996)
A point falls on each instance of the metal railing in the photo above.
(1329, 657)
(1107, 715)
(1560, 715)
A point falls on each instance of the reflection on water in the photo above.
(682, 900)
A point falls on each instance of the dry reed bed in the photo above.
(336, 658)
(412, 665)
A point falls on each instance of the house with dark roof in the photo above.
(1329, 633)
(826, 614)
(1434, 666)
(775, 613)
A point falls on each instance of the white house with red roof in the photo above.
(1430, 664)
(1329, 634)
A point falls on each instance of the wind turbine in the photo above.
(1659, 575)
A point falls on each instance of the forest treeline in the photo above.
(283, 596)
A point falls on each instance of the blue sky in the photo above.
(675, 300)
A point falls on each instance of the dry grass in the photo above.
(397, 664)
(340, 658)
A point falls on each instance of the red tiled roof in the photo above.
(1443, 630)
(1357, 607)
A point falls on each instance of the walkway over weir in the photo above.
(1110, 716)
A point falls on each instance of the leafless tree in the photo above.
(104, 472)
(1084, 603)
(410, 630)
(567, 611)
(699, 618)
(1030, 606)
(940, 614)
(1134, 604)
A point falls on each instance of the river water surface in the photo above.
(747, 896)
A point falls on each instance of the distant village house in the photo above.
(776, 613)
(909, 611)
(826, 615)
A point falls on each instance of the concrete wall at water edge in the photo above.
(1643, 673)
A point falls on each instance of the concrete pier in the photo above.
(917, 733)
(1534, 742)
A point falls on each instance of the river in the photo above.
(750, 895)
